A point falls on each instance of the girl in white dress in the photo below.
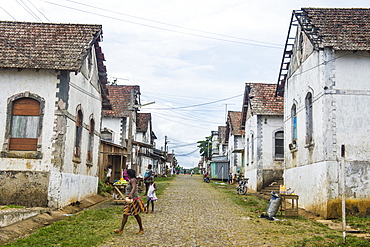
(151, 196)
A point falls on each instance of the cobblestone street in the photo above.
(193, 213)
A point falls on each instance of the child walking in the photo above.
(151, 196)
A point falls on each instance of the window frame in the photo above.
(90, 146)
(276, 144)
(294, 122)
(309, 118)
(7, 152)
(78, 134)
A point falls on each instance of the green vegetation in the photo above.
(10, 206)
(312, 232)
(87, 228)
(104, 188)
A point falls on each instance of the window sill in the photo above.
(89, 163)
(279, 159)
(310, 145)
(21, 154)
(76, 160)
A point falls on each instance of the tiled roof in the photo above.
(263, 100)
(45, 45)
(119, 97)
(222, 134)
(234, 120)
(142, 121)
(341, 28)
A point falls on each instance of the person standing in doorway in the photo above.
(148, 177)
(109, 174)
(134, 206)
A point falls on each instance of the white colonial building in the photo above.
(262, 119)
(324, 78)
(50, 112)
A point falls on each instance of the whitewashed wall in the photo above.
(114, 124)
(260, 162)
(43, 84)
(340, 88)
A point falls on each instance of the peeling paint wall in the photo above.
(51, 176)
(261, 166)
(27, 188)
(338, 82)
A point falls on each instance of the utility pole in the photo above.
(130, 137)
(226, 111)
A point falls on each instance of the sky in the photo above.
(192, 58)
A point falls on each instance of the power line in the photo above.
(161, 116)
(165, 29)
(188, 153)
(8, 13)
(26, 8)
(172, 25)
(38, 10)
(208, 103)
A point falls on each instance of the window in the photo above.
(309, 121)
(252, 148)
(25, 124)
(294, 122)
(91, 140)
(79, 127)
(107, 135)
(279, 145)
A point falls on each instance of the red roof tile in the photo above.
(119, 97)
(263, 100)
(234, 122)
(341, 28)
(45, 45)
(142, 121)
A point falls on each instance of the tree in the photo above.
(205, 147)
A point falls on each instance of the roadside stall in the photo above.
(119, 188)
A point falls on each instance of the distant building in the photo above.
(262, 120)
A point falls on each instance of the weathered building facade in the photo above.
(262, 120)
(324, 78)
(50, 108)
(118, 128)
(235, 137)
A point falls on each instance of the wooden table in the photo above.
(118, 193)
(289, 205)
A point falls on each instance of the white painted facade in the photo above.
(235, 157)
(339, 84)
(65, 178)
(262, 166)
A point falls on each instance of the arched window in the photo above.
(309, 121)
(79, 127)
(25, 124)
(279, 145)
(91, 140)
(294, 122)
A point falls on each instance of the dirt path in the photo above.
(193, 213)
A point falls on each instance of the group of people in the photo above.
(135, 206)
(234, 178)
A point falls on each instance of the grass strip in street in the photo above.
(312, 232)
(87, 228)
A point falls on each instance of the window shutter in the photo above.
(25, 125)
